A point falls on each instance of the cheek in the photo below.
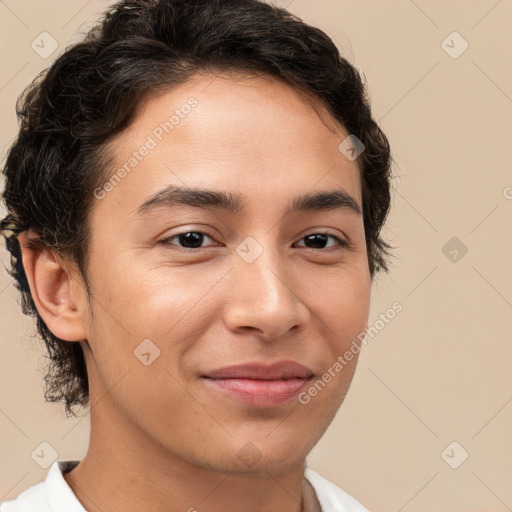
(140, 330)
(171, 306)
(342, 303)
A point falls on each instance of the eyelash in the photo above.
(342, 244)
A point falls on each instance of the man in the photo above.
(194, 206)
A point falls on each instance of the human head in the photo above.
(93, 92)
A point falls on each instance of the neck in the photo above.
(124, 470)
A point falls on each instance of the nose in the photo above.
(264, 297)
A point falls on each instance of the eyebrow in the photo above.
(173, 195)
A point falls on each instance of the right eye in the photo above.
(190, 240)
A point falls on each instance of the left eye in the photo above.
(320, 238)
(194, 239)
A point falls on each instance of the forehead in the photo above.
(247, 131)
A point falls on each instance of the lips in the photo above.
(260, 385)
(259, 371)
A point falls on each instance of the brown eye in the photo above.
(188, 239)
(319, 241)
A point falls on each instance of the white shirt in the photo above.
(55, 495)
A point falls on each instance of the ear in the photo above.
(58, 294)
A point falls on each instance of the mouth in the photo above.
(260, 385)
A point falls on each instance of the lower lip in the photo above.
(259, 393)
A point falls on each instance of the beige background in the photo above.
(437, 373)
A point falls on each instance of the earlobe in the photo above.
(58, 298)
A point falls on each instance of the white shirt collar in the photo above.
(60, 496)
(55, 495)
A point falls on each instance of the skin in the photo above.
(159, 435)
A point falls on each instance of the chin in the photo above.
(254, 458)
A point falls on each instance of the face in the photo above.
(185, 285)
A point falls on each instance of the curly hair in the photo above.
(92, 91)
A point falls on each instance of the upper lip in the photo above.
(255, 370)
